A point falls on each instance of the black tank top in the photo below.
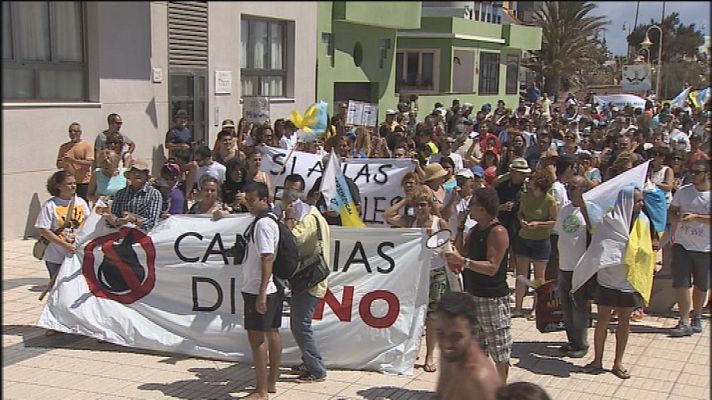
(478, 284)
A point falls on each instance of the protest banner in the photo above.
(378, 179)
(177, 289)
(255, 109)
(619, 100)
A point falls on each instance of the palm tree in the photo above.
(568, 43)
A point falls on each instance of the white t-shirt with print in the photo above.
(266, 239)
(693, 235)
(571, 227)
(52, 216)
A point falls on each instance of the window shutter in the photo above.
(188, 34)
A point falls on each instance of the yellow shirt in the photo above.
(305, 232)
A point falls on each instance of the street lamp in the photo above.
(645, 44)
(647, 57)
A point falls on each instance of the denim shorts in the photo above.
(535, 250)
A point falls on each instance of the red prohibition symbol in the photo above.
(128, 280)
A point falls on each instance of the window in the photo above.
(263, 50)
(512, 75)
(43, 52)
(415, 70)
(489, 73)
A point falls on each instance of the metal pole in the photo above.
(660, 65)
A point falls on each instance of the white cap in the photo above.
(466, 173)
(390, 112)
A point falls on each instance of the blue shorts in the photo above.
(535, 250)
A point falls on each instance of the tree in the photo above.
(680, 53)
(568, 47)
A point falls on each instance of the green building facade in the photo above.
(456, 58)
(356, 48)
(387, 52)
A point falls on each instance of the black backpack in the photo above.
(286, 262)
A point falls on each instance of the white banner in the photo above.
(620, 101)
(177, 290)
(378, 179)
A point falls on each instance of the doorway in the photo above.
(188, 91)
(357, 91)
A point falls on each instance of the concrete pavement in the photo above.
(65, 366)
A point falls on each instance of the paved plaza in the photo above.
(62, 366)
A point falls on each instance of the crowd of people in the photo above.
(508, 182)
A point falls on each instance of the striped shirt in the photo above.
(144, 203)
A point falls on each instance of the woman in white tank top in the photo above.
(421, 199)
(660, 172)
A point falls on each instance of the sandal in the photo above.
(620, 372)
(429, 368)
(531, 316)
(592, 369)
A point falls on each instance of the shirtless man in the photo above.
(465, 371)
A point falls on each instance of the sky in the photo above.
(620, 12)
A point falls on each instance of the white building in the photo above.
(80, 61)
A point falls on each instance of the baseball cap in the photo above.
(465, 173)
(478, 171)
(181, 113)
(228, 123)
(390, 112)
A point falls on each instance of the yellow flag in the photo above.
(640, 259)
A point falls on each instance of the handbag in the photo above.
(38, 250)
(312, 269)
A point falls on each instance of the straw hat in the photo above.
(520, 165)
(434, 171)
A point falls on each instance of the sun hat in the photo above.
(140, 165)
(519, 164)
(434, 171)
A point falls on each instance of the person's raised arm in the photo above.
(393, 216)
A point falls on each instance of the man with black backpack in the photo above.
(262, 301)
(308, 285)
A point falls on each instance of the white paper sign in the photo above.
(223, 82)
(360, 113)
(181, 293)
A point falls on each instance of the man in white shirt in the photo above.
(262, 301)
(206, 166)
(689, 214)
(571, 226)
(546, 106)
(564, 172)
(289, 138)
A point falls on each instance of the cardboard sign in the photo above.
(255, 109)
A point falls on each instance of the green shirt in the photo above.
(535, 209)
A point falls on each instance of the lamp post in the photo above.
(646, 45)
